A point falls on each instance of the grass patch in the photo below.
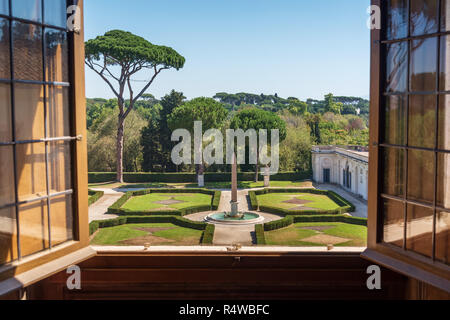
(172, 235)
(149, 202)
(317, 201)
(295, 235)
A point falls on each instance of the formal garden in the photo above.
(161, 215)
(153, 199)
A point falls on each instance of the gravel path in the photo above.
(228, 235)
(98, 210)
(360, 204)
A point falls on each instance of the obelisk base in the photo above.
(234, 209)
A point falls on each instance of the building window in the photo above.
(415, 139)
(36, 146)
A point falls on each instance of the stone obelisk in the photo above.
(234, 194)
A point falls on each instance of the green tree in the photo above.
(130, 54)
(156, 137)
(211, 113)
(257, 119)
(331, 105)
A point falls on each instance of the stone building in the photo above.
(347, 166)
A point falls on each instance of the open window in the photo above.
(409, 189)
(43, 184)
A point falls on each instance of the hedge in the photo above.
(345, 205)
(94, 196)
(259, 233)
(279, 224)
(100, 177)
(287, 221)
(208, 234)
(208, 230)
(116, 208)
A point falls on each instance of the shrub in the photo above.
(259, 233)
(331, 218)
(116, 208)
(94, 196)
(208, 234)
(345, 205)
(279, 224)
(253, 200)
(99, 177)
(178, 221)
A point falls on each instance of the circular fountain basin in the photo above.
(243, 219)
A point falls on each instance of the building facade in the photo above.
(344, 166)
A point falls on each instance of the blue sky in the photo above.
(301, 48)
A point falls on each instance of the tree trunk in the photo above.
(119, 142)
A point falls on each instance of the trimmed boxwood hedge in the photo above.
(208, 230)
(279, 224)
(100, 177)
(260, 236)
(287, 221)
(94, 196)
(208, 234)
(345, 205)
(116, 208)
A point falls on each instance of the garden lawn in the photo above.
(150, 201)
(152, 233)
(315, 201)
(318, 235)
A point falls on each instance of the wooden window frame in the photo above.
(33, 268)
(405, 262)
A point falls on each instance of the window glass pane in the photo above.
(27, 51)
(6, 175)
(424, 17)
(393, 169)
(27, 9)
(33, 227)
(5, 113)
(444, 72)
(443, 237)
(445, 15)
(58, 111)
(397, 19)
(394, 118)
(60, 166)
(57, 55)
(423, 64)
(419, 231)
(55, 12)
(421, 175)
(29, 111)
(422, 121)
(8, 235)
(5, 71)
(396, 67)
(61, 219)
(443, 180)
(394, 222)
(4, 7)
(31, 171)
(444, 123)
